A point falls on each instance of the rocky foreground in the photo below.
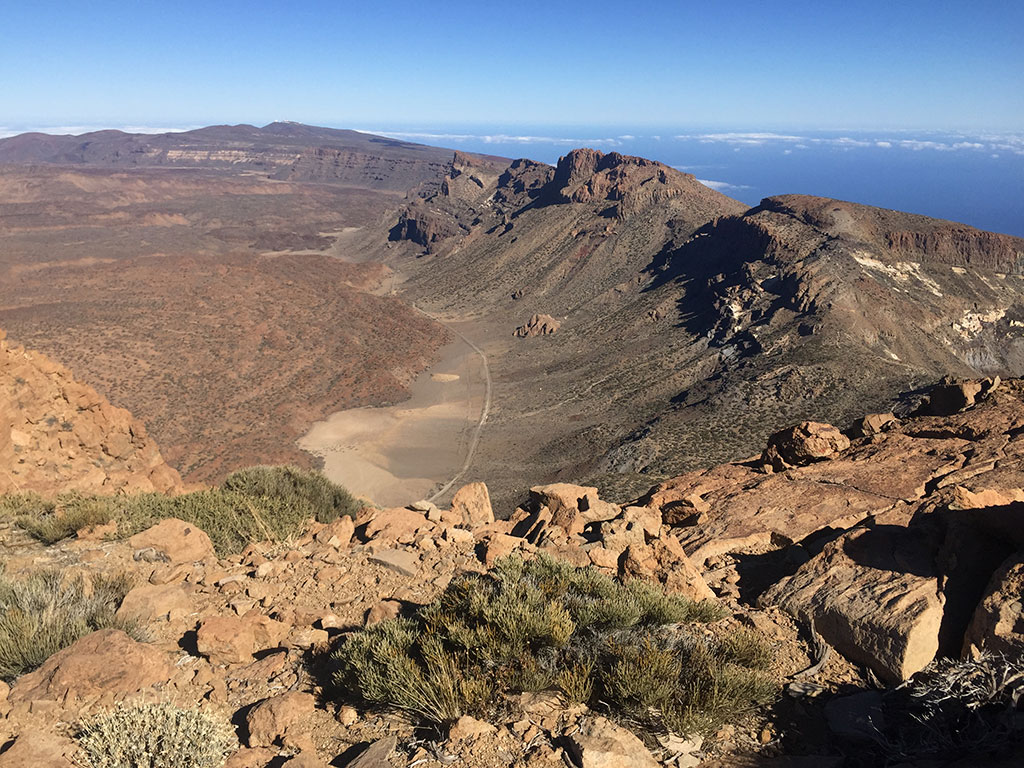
(861, 556)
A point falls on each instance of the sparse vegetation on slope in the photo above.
(310, 492)
(47, 611)
(144, 735)
(257, 504)
(546, 625)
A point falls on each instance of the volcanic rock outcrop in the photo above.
(58, 435)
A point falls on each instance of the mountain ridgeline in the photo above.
(691, 325)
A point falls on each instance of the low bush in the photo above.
(295, 488)
(257, 504)
(47, 611)
(155, 736)
(950, 710)
(546, 625)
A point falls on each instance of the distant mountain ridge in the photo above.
(690, 324)
(283, 150)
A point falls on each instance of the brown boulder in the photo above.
(472, 505)
(872, 594)
(284, 721)
(376, 754)
(39, 749)
(104, 662)
(600, 743)
(234, 639)
(998, 622)
(665, 562)
(151, 602)
(393, 524)
(804, 444)
(174, 541)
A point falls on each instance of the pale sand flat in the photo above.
(400, 454)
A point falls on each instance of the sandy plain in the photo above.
(396, 455)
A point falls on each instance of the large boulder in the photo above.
(804, 444)
(998, 622)
(874, 595)
(107, 662)
(234, 639)
(537, 325)
(472, 505)
(173, 541)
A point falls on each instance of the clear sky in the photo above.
(376, 63)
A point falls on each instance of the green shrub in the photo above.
(155, 736)
(546, 625)
(46, 611)
(310, 492)
(54, 521)
(256, 504)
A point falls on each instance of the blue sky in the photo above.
(895, 64)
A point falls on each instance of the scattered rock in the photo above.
(804, 444)
(600, 743)
(376, 755)
(383, 611)
(400, 560)
(467, 727)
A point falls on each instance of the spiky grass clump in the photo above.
(295, 488)
(155, 736)
(46, 611)
(546, 625)
(954, 709)
(257, 504)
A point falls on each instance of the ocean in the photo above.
(976, 179)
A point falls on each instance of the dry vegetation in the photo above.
(255, 504)
(544, 624)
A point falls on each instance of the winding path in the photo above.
(475, 440)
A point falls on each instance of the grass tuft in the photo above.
(256, 504)
(46, 611)
(546, 625)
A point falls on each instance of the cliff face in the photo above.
(57, 435)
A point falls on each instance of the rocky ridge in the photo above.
(689, 324)
(58, 435)
(892, 542)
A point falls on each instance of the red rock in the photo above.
(175, 541)
(393, 524)
(803, 444)
(104, 662)
(383, 611)
(472, 505)
(467, 727)
(39, 749)
(284, 721)
(150, 603)
(998, 622)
